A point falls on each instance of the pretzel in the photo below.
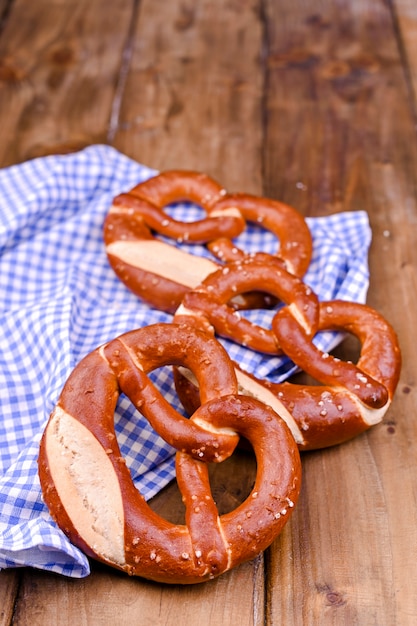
(87, 485)
(209, 302)
(295, 243)
(160, 273)
(352, 397)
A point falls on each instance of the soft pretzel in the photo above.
(351, 399)
(87, 485)
(209, 303)
(160, 273)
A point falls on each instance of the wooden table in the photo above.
(314, 104)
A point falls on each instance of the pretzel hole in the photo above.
(139, 443)
(231, 482)
(269, 242)
(185, 211)
(136, 438)
(349, 348)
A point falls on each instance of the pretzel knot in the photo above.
(209, 303)
(87, 485)
(161, 273)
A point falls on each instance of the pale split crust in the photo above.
(159, 258)
(251, 387)
(86, 484)
(248, 386)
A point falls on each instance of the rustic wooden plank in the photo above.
(194, 90)
(59, 65)
(340, 543)
(340, 133)
(108, 597)
(4, 8)
(405, 15)
(339, 136)
(9, 583)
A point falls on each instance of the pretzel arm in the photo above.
(294, 245)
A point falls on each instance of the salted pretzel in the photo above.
(209, 302)
(353, 398)
(160, 273)
(87, 485)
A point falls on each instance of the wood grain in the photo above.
(338, 121)
(194, 91)
(405, 18)
(311, 103)
(108, 597)
(9, 585)
(59, 68)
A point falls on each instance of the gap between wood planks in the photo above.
(5, 9)
(123, 74)
(404, 57)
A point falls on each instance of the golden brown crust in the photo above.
(180, 185)
(161, 277)
(87, 485)
(350, 399)
(295, 243)
(209, 302)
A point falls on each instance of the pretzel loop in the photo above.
(154, 218)
(263, 514)
(180, 185)
(87, 485)
(295, 243)
(329, 370)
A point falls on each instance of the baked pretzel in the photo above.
(351, 399)
(209, 303)
(160, 273)
(87, 485)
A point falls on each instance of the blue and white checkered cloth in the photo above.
(59, 300)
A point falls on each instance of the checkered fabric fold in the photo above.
(59, 300)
